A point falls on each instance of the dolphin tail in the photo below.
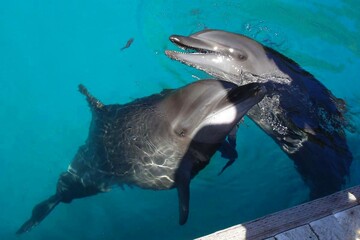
(39, 212)
(93, 101)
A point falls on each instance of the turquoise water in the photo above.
(48, 47)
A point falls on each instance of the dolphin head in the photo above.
(222, 54)
(206, 110)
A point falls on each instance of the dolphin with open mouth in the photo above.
(301, 115)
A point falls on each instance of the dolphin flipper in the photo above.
(231, 138)
(184, 196)
(182, 179)
(39, 212)
(228, 149)
(228, 164)
(228, 152)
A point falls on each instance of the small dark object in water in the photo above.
(128, 44)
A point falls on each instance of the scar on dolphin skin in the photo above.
(128, 44)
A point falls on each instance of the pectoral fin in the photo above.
(231, 138)
(228, 149)
(183, 177)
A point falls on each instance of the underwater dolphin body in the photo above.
(157, 142)
(299, 112)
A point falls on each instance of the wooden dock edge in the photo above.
(298, 218)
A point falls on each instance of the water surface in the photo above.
(47, 48)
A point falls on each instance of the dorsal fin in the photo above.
(93, 101)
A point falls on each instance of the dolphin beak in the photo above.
(195, 51)
(191, 43)
(176, 39)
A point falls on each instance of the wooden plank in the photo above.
(299, 233)
(273, 224)
(342, 225)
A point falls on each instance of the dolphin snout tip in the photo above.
(174, 38)
(170, 54)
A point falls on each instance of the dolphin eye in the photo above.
(242, 57)
(181, 132)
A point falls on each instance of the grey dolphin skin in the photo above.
(299, 113)
(157, 142)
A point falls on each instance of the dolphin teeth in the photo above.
(192, 50)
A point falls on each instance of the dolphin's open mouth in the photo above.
(191, 46)
(206, 55)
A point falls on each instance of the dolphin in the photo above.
(299, 113)
(157, 142)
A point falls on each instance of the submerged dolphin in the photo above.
(156, 142)
(299, 112)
